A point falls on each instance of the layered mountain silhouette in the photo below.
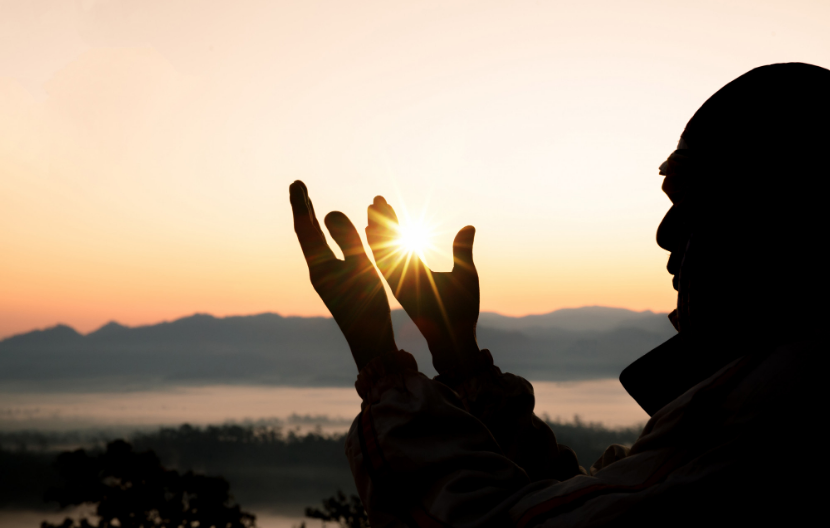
(268, 349)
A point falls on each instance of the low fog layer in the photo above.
(268, 349)
(601, 400)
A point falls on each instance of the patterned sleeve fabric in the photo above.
(504, 402)
(420, 457)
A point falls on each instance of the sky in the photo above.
(146, 147)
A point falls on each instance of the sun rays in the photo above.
(411, 241)
(414, 237)
(404, 257)
(410, 236)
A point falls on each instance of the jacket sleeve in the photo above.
(504, 403)
(420, 459)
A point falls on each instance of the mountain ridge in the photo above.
(487, 318)
(271, 349)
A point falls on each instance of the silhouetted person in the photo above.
(734, 398)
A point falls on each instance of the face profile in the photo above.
(743, 184)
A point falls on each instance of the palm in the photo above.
(350, 288)
(443, 305)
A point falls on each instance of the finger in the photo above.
(312, 241)
(381, 202)
(382, 217)
(344, 233)
(382, 230)
(382, 234)
(462, 249)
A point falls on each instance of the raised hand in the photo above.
(444, 305)
(350, 288)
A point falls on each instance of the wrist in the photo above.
(459, 349)
(384, 372)
(459, 357)
(365, 350)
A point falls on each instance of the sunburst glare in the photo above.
(414, 238)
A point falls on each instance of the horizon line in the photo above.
(196, 314)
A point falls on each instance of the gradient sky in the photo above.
(146, 147)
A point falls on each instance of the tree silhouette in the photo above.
(133, 490)
(348, 512)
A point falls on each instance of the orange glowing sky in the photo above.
(146, 147)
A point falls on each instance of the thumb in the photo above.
(462, 249)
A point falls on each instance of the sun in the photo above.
(414, 238)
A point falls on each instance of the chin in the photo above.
(674, 320)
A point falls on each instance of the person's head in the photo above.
(747, 227)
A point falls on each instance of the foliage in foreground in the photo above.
(348, 512)
(589, 440)
(133, 490)
(283, 472)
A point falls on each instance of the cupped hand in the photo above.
(350, 288)
(443, 305)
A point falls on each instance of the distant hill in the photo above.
(268, 349)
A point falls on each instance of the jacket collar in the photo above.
(674, 367)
